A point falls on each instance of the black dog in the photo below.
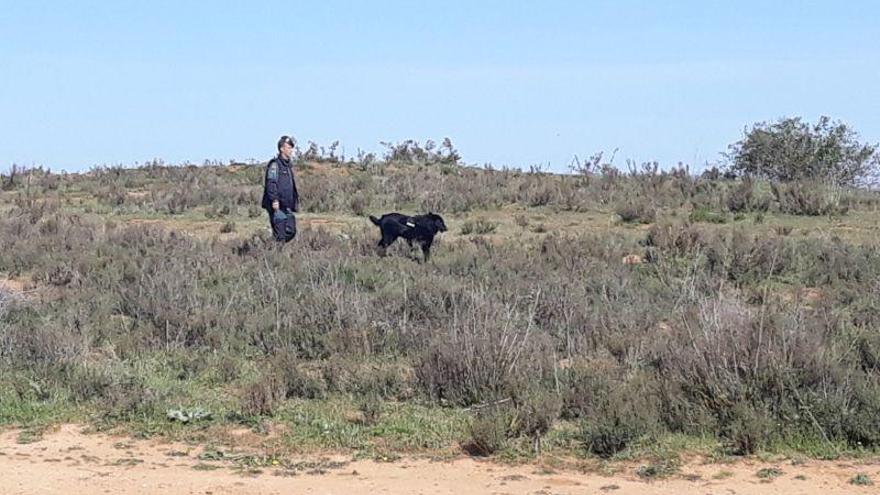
(420, 228)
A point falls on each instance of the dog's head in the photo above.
(436, 222)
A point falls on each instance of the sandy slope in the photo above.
(70, 462)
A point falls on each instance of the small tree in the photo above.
(8, 183)
(791, 150)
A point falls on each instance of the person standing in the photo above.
(280, 198)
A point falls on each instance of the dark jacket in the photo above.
(280, 185)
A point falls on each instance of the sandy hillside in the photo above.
(70, 462)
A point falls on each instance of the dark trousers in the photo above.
(283, 230)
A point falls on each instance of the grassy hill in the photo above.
(603, 313)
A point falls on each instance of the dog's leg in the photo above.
(410, 253)
(426, 249)
(384, 242)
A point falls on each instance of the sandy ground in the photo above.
(69, 461)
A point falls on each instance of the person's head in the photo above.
(286, 146)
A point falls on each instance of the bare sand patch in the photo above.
(67, 460)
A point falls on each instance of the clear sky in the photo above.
(513, 83)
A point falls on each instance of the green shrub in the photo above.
(707, 216)
(535, 415)
(636, 211)
(768, 473)
(490, 431)
(607, 436)
(810, 199)
(861, 479)
(479, 226)
(742, 198)
(371, 407)
(746, 430)
(791, 150)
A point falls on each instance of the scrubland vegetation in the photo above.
(603, 313)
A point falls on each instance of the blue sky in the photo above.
(511, 83)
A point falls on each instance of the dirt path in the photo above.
(70, 462)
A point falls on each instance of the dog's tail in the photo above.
(374, 220)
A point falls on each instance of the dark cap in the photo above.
(286, 139)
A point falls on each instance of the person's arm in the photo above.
(295, 192)
(272, 184)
